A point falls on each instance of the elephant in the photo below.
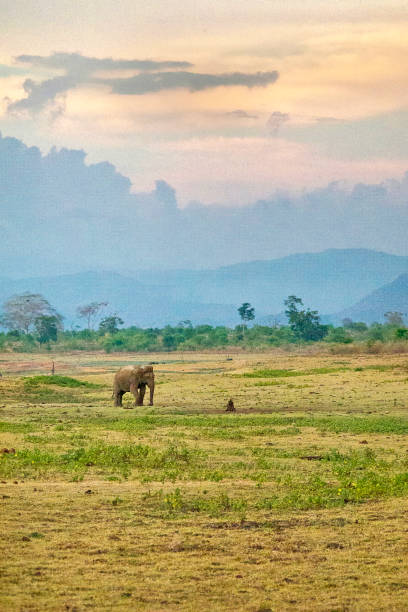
(133, 379)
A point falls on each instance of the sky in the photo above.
(227, 102)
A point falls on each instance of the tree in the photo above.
(186, 324)
(304, 323)
(246, 312)
(338, 334)
(169, 340)
(110, 324)
(357, 326)
(394, 318)
(21, 311)
(47, 328)
(90, 311)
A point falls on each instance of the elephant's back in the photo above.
(129, 369)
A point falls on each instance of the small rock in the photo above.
(26, 539)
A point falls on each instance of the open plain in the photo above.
(298, 501)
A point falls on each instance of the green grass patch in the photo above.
(317, 493)
(288, 492)
(266, 383)
(60, 381)
(170, 461)
(237, 425)
(335, 423)
(174, 503)
(386, 367)
(57, 390)
(271, 373)
(8, 427)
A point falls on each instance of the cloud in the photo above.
(8, 71)
(151, 77)
(241, 114)
(160, 81)
(41, 93)
(275, 122)
(52, 202)
(77, 63)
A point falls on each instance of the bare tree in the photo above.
(21, 311)
(90, 311)
(394, 318)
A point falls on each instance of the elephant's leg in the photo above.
(118, 394)
(151, 388)
(142, 391)
(135, 392)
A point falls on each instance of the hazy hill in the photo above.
(330, 281)
(390, 297)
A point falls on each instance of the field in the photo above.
(298, 501)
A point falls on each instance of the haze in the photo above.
(245, 114)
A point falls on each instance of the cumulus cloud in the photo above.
(151, 76)
(51, 202)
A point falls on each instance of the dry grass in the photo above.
(297, 502)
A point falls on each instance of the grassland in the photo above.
(299, 501)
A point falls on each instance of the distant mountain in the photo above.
(390, 297)
(330, 281)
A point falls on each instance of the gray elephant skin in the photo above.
(133, 379)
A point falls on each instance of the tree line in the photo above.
(31, 322)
